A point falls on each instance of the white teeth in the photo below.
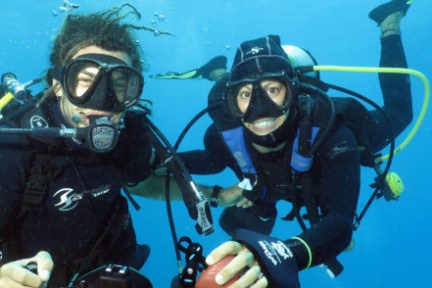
(262, 124)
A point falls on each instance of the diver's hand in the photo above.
(233, 196)
(261, 260)
(15, 275)
(244, 262)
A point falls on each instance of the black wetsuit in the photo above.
(83, 220)
(335, 171)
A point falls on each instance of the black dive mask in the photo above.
(101, 82)
(260, 104)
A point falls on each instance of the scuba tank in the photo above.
(14, 93)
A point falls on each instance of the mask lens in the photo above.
(273, 89)
(264, 94)
(234, 94)
(80, 78)
(126, 85)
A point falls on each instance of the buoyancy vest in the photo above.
(48, 158)
(316, 118)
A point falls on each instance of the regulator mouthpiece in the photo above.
(102, 135)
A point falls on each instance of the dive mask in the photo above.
(101, 82)
(260, 100)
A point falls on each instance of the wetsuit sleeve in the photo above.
(336, 172)
(396, 90)
(133, 152)
(211, 160)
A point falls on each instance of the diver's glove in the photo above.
(275, 258)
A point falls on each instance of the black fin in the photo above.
(378, 14)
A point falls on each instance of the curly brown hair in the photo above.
(103, 29)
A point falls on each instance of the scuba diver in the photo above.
(73, 218)
(67, 154)
(263, 93)
(285, 139)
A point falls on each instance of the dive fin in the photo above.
(192, 74)
(205, 71)
(218, 62)
(378, 14)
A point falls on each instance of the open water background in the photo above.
(393, 243)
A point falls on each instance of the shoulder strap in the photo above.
(44, 168)
(234, 141)
(36, 186)
(302, 157)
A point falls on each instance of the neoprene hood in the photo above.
(257, 57)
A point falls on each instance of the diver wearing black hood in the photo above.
(260, 61)
(262, 93)
(262, 96)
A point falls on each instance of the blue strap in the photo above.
(236, 144)
(300, 163)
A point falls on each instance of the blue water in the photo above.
(392, 244)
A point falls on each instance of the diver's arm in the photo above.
(196, 162)
(233, 196)
(338, 162)
(202, 162)
(214, 158)
(154, 187)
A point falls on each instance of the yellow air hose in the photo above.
(413, 72)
